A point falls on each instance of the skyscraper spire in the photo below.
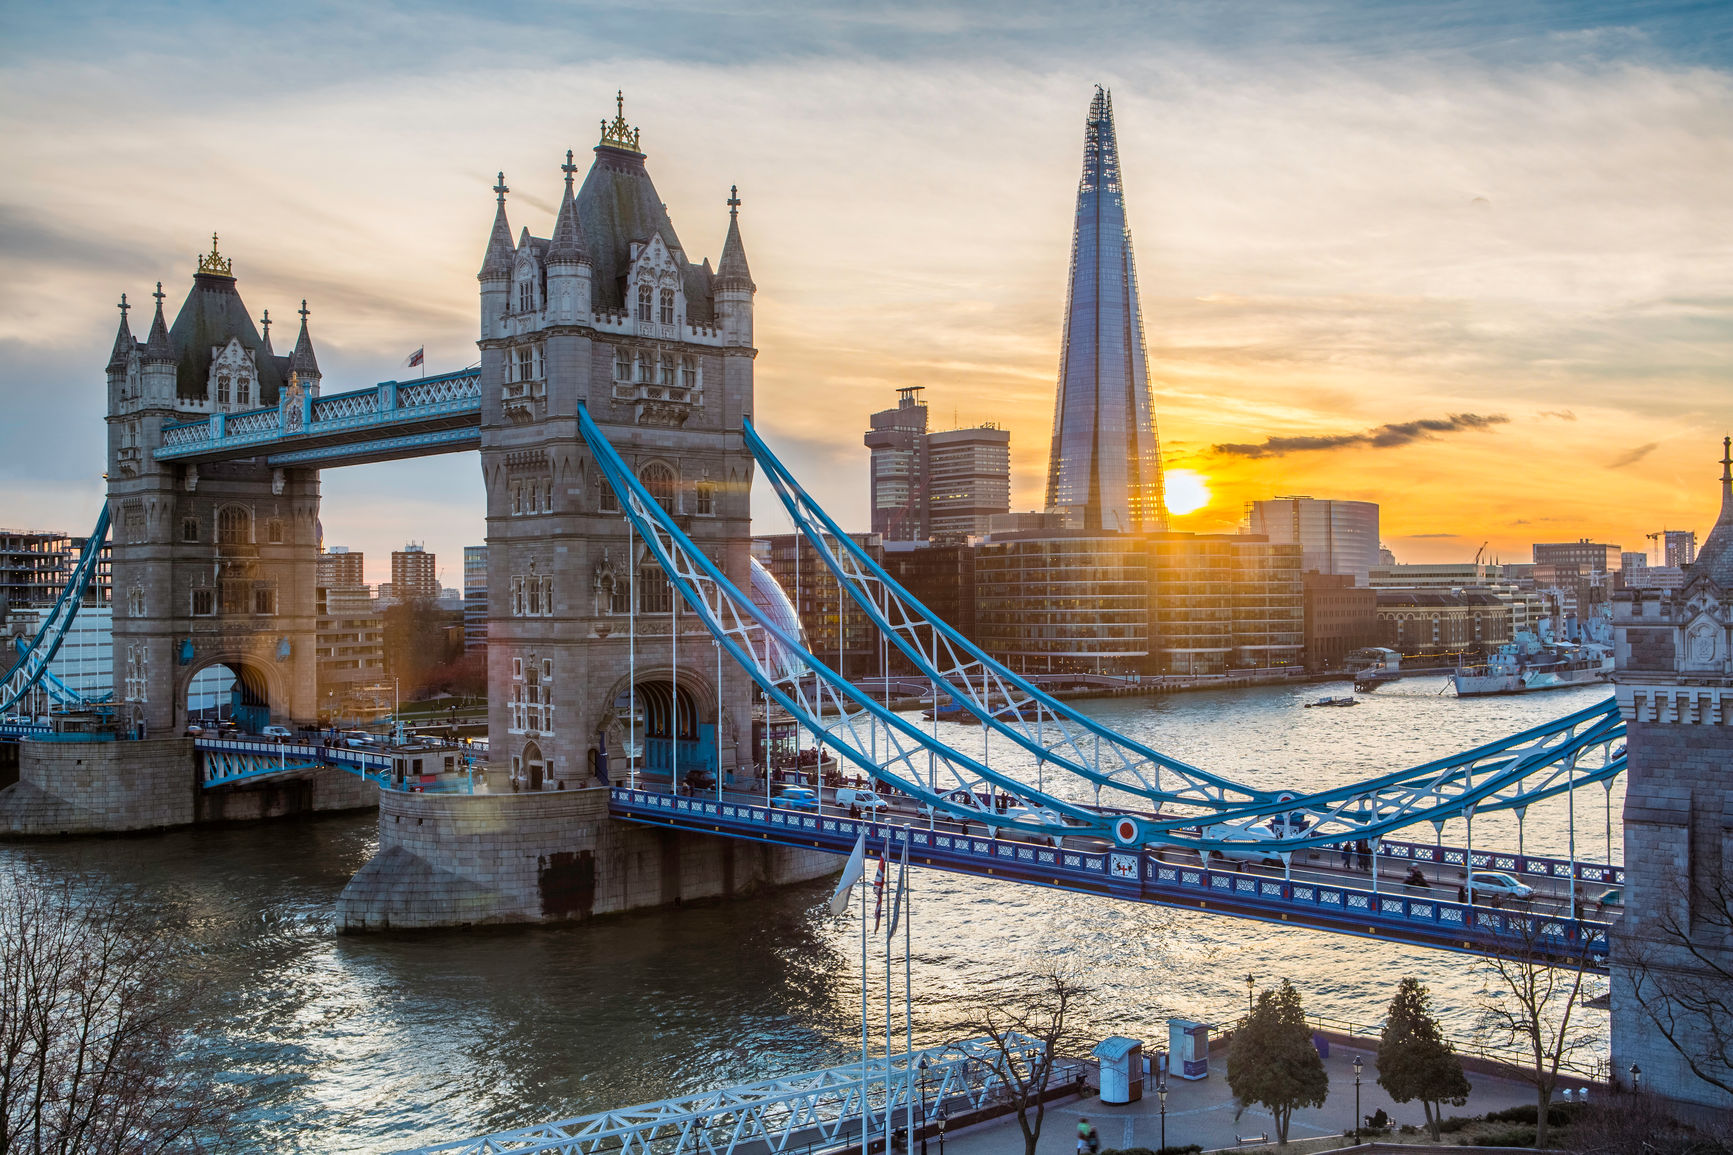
(1104, 472)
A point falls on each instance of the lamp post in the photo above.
(941, 1130)
(1636, 1077)
(924, 1105)
(1250, 981)
(1161, 1093)
(1357, 1066)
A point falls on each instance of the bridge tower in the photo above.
(611, 313)
(1672, 950)
(212, 563)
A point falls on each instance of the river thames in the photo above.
(368, 1044)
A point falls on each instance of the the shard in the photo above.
(1105, 469)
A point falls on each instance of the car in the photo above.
(280, 733)
(194, 730)
(798, 798)
(1612, 897)
(1034, 817)
(861, 799)
(1499, 885)
(697, 779)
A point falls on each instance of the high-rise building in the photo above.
(1680, 547)
(934, 484)
(1632, 559)
(1064, 602)
(1104, 471)
(35, 566)
(837, 630)
(898, 481)
(968, 479)
(475, 597)
(1596, 557)
(1335, 537)
(340, 568)
(414, 574)
(351, 653)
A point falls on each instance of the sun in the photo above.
(1186, 491)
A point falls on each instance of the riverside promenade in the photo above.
(1202, 1112)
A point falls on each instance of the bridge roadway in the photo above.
(1319, 894)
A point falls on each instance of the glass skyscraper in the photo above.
(1104, 472)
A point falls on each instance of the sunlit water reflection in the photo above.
(375, 1043)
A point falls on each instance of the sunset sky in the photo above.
(1471, 261)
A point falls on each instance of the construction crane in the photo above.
(1480, 551)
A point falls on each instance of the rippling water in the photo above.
(369, 1044)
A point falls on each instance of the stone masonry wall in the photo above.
(99, 787)
(457, 860)
(315, 791)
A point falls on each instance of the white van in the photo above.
(865, 800)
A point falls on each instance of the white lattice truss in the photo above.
(793, 1113)
(31, 666)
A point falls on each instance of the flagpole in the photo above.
(865, 1117)
(889, 938)
(908, 997)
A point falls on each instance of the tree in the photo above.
(1272, 1061)
(1028, 1023)
(1415, 1060)
(90, 1020)
(1681, 972)
(1532, 993)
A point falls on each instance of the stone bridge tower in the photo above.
(212, 562)
(609, 312)
(1672, 961)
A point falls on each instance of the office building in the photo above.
(1679, 547)
(1335, 537)
(1104, 468)
(968, 480)
(475, 597)
(84, 663)
(941, 576)
(1064, 602)
(1653, 577)
(350, 653)
(341, 568)
(926, 484)
(35, 566)
(414, 574)
(1341, 617)
(838, 632)
(1631, 559)
(1594, 557)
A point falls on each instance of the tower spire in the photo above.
(122, 338)
(731, 267)
(497, 261)
(566, 246)
(302, 363)
(1104, 471)
(157, 346)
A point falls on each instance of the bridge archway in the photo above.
(674, 727)
(228, 689)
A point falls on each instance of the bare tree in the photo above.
(1531, 996)
(1681, 972)
(1643, 1124)
(1029, 1022)
(90, 1016)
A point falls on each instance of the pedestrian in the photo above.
(1347, 855)
(1087, 1140)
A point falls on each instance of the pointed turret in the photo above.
(731, 269)
(158, 347)
(1715, 559)
(1104, 471)
(265, 337)
(303, 366)
(123, 340)
(496, 264)
(567, 244)
(569, 267)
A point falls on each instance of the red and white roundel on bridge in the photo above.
(1125, 830)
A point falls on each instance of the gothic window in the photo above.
(655, 595)
(526, 296)
(526, 363)
(234, 525)
(204, 602)
(137, 672)
(689, 372)
(189, 529)
(609, 501)
(644, 302)
(222, 389)
(265, 600)
(706, 499)
(135, 602)
(665, 371)
(659, 480)
(517, 667)
(548, 596)
(548, 497)
(274, 531)
(641, 364)
(621, 600)
(533, 606)
(622, 364)
(243, 389)
(517, 597)
(667, 311)
(517, 499)
(234, 595)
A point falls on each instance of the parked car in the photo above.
(697, 779)
(194, 730)
(1042, 816)
(1500, 885)
(863, 799)
(280, 733)
(798, 798)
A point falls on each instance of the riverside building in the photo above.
(1335, 537)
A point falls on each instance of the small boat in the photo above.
(1344, 701)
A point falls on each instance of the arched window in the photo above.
(622, 364)
(644, 302)
(659, 480)
(706, 499)
(644, 369)
(234, 525)
(667, 306)
(689, 372)
(222, 388)
(665, 371)
(275, 531)
(243, 389)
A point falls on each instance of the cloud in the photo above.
(1387, 436)
(1633, 456)
(1561, 414)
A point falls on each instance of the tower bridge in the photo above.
(611, 412)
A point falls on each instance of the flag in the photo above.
(902, 880)
(416, 357)
(850, 875)
(879, 884)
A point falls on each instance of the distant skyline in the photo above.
(1471, 262)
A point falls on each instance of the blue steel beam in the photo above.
(32, 663)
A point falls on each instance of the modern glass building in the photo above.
(1104, 471)
(1337, 537)
(475, 597)
(1051, 603)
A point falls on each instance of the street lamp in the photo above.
(924, 1105)
(1161, 1093)
(1357, 1067)
(941, 1130)
(1636, 1077)
(1249, 984)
